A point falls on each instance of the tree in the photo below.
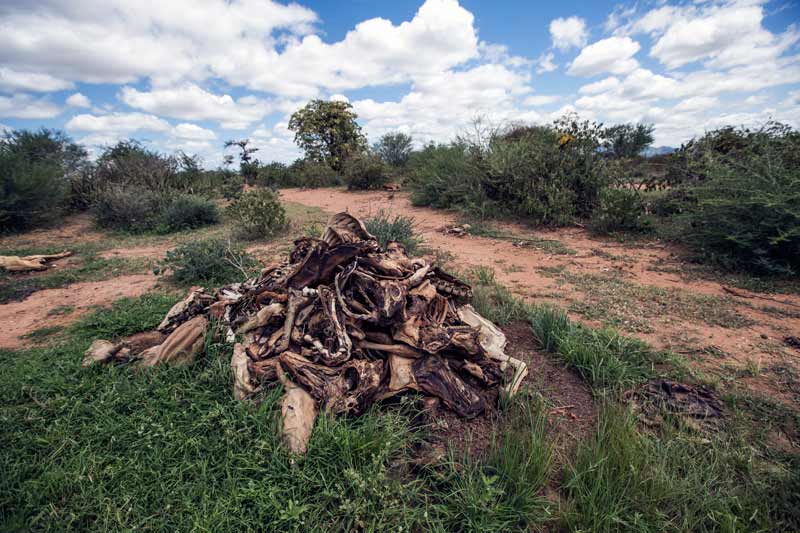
(394, 148)
(248, 165)
(328, 132)
(627, 140)
(46, 146)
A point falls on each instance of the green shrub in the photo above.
(209, 262)
(311, 174)
(258, 213)
(31, 194)
(274, 175)
(400, 229)
(619, 210)
(748, 203)
(131, 209)
(365, 172)
(189, 212)
(444, 176)
(83, 189)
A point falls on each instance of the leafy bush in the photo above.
(132, 209)
(310, 174)
(444, 176)
(550, 174)
(209, 262)
(400, 229)
(365, 172)
(274, 175)
(128, 163)
(83, 189)
(189, 212)
(619, 210)
(258, 213)
(31, 194)
(34, 170)
(748, 203)
(394, 148)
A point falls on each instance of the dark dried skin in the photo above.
(435, 377)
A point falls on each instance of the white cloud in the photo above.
(192, 132)
(190, 102)
(117, 123)
(541, 99)
(545, 63)
(568, 33)
(78, 100)
(13, 80)
(697, 103)
(614, 55)
(26, 107)
(601, 86)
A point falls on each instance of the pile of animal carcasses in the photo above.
(341, 324)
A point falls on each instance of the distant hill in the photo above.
(658, 150)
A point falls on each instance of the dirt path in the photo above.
(640, 282)
(36, 311)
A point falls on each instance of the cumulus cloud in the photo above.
(193, 132)
(191, 102)
(25, 106)
(78, 100)
(13, 80)
(568, 33)
(614, 54)
(117, 123)
(545, 63)
(541, 99)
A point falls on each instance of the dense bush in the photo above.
(35, 168)
(129, 163)
(274, 175)
(400, 229)
(444, 176)
(132, 209)
(549, 174)
(394, 148)
(258, 213)
(748, 200)
(619, 210)
(209, 262)
(189, 212)
(310, 174)
(365, 172)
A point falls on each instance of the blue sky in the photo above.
(190, 74)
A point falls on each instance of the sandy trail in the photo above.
(519, 269)
(20, 318)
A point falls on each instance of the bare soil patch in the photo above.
(20, 318)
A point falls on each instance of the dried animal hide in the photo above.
(435, 377)
(13, 263)
(181, 347)
(243, 387)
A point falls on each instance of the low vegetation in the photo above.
(257, 214)
(399, 228)
(209, 262)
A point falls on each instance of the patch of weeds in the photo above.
(608, 256)
(760, 284)
(632, 307)
(492, 300)
(625, 480)
(61, 310)
(503, 492)
(605, 359)
(511, 269)
(210, 262)
(399, 228)
(779, 312)
(125, 317)
(313, 230)
(43, 334)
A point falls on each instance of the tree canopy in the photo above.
(328, 132)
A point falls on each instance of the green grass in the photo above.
(673, 480)
(115, 448)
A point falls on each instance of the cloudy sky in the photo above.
(190, 74)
